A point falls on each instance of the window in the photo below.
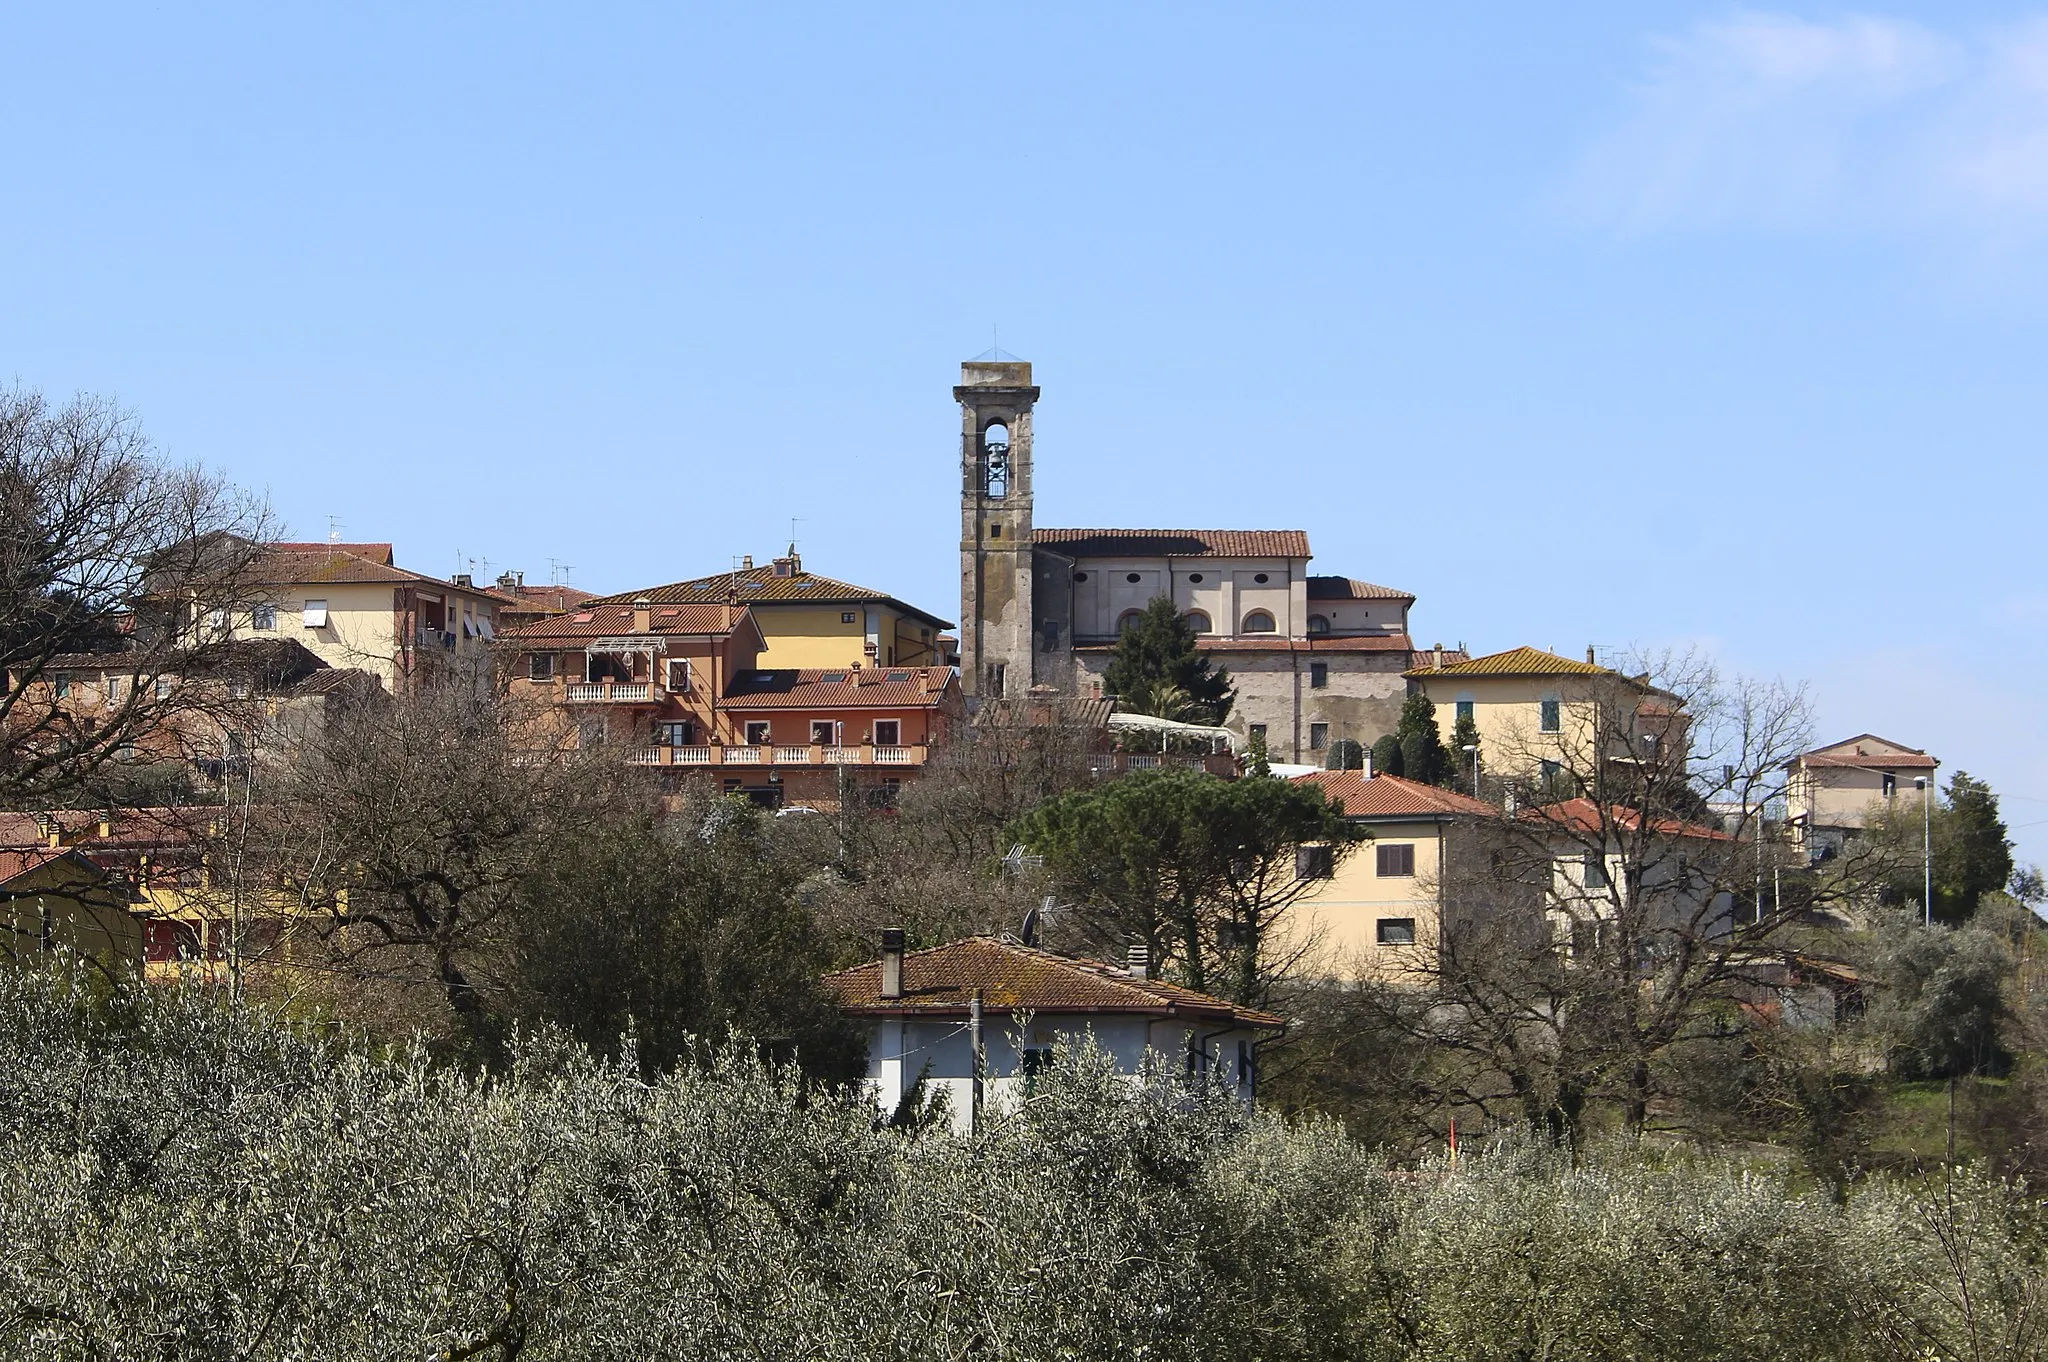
(113, 690)
(1314, 863)
(1551, 772)
(996, 678)
(849, 617)
(1125, 620)
(1395, 860)
(824, 733)
(995, 532)
(1260, 578)
(1318, 625)
(1258, 622)
(1195, 577)
(1318, 675)
(61, 684)
(315, 614)
(540, 666)
(238, 690)
(169, 942)
(679, 674)
(1258, 732)
(163, 687)
(679, 734)
(1465, 712)
(1550, 719)
(1080, 576)
(1891, 782)
(1198, 621)
(995, 458)
(757, 732)
(263, 618)
(216, 621)
(1034, 1060)
(1049, 636)
(1593, 871)
(1395, 931)
(1318, 737)
(888, 732)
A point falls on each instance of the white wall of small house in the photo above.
(941, 1052)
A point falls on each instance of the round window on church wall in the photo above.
(1259, 578)
(1133, 578)
(1194, 576)
(1080, 576)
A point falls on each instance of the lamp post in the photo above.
(1926, 850)
(1473, 748)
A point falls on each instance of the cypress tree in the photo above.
(1156, 664)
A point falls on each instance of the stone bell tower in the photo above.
(995, 397)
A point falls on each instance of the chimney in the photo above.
(924, 680)
(464, 579)
(511, 581)
(1140, 962)
(1589, 652)
(789, 565)
(892, 962)
(1438, 664)
(642, 610)
(106, 826)
(747, 563)
(1365, 773)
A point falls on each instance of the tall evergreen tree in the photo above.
(1972, 853)
(1464, 734)
(1156, 666)
(1386, 756)
(1423, 756)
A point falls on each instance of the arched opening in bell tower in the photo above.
(995, 460)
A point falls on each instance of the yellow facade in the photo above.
(1533, 708)
(835, 635)
(1352, 924)
(69, 904)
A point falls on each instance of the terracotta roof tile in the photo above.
(1513, 662)
(1582, 815)
(748, 585)
(376, 553)
(1012, 978)
(840, 688)
(1175, 543)
(1393, 797)
(1882, 761)
(14, 864)
(615, 621)
(1351, 589)
(1320, 643)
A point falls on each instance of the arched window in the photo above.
(1318, 624)
(1198, 621)
(1258, 622)
(1125, 620)
(995, 459)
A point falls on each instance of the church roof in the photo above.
(1351, 589)
(1175, 543)
(764, 585)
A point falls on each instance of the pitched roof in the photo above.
(1351, 589)
(1513, 662)
(14, 864)
(615, 621)
(376, 553)
(1393, 797)
(1899, 758)
(1582, 815)
(840, 688)
(749, 585)
(1012, 978)
(1175, 543)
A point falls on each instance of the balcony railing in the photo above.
(612, 692)
(742, 754)
(1116, 763)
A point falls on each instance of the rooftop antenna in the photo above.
(334, 529)
(794, 521)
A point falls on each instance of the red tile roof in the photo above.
(840, 688)
(1393, 797)
(321, 564)
(616, 621)
(1513, 662)
(1582, 815)
(15, 864)
(941, 982)
(1175, 543)
(376, 553)
(748, 585)
(1900, 758)
(1351, 589)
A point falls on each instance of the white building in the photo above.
(929, 1013)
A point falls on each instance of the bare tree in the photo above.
(114, 564)
(1633, 897)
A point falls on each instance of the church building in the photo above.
(1314, 658)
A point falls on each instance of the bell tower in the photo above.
(995, 397)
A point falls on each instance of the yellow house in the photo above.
(808, 621)
(1538, 713)
(1375, 914)
(53, 898)
(351, 606)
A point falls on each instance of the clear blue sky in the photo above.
(1602, 323)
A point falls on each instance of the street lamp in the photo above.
(1926, 850)
(1473, 748)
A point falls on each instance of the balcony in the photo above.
(1117, 763)
(741, 754)
(613, 693)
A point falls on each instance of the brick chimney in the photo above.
(1589, 652)
(1438, 664)
(643, 610)
(892, 962)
